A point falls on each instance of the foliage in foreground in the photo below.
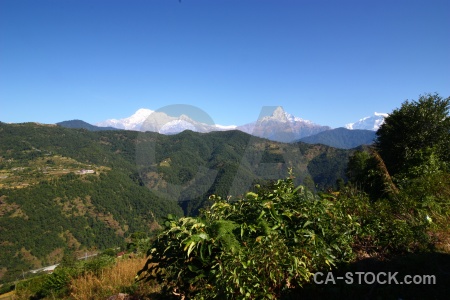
(271, 241)
(256, 247)
(407, 171)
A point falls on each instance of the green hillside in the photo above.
(63, 188)
(189, 167)
(73, 189)
(84, 125)
(342, 138)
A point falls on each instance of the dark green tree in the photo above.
(416, 135)
(357, 168)
(367, 172)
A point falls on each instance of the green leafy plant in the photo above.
(56, 283)
(256, 247)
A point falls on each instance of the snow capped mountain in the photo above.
(369, 123)
(281, 116)
(225, 127)
(176, 126)
(148, 120)
(131, 123)
(283, 127)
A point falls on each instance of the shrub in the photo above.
(255, 247)
(387, 227)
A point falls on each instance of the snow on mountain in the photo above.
(283, 127)
(279, 126)
(369, 123)
(225, 127)
(133, 122)
(281, 116)
(149, 120)
(176, 126)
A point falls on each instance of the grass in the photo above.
(112, 281)
(7, 296)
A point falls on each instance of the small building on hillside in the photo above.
(83, 171)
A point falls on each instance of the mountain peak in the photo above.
(279, 114)
(143, 111)
(369, 123)
(281, 126)
(133, 122)
(384, 115)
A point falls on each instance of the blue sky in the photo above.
(331, 62)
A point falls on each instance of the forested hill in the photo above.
(83, 125)
(75, 189)
(342, 138)
(189, 166)
(64, 188)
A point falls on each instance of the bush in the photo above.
(6, 288)
(256, 247)
(97, 264)
(387, 227)
(30, 288)
(56, 283)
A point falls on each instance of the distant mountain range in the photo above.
(279, 126)
(148, 120)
